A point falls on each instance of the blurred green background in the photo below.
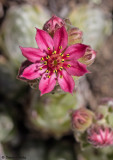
(39, 128)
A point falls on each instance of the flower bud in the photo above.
(53, 24)
(88, 57)
(100, 136)
(23, 66)
(74, 36)
(81, 119)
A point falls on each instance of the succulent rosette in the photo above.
(54, 61)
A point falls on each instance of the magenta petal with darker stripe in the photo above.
(46, 84)
(75, 68)
(44, 40)
(33, 71)
(65, 81)
(76, 51)
(60, 39)
(32, 54)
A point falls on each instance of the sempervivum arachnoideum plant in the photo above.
(54, 61)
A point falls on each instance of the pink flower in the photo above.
(53, 24)
(100, 136)
(54, 61)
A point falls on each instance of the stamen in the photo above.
(62, 60)
(55, 71)
(61, 68)
(48, 48)
(67, 55)
(54, 52)
(69, 65)
(47, 71)
(61, 76)
(42, 59)
(48, 76)
(40, 68)
(60, 47)
(47, 57)
(61, 54)
(45, 62)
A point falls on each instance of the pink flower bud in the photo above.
(88, 57)
(22, 67)
(32, 83)
(53, 24)
(74, 36)
(81, 119)
(100, 136)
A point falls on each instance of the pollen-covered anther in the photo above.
(61, 54)
(54, 52)
(67, 55)
(48, 76)
(47, 71)
(47, 57)
(48, 48)
(55, 71)
(61, 68)
(40, 68)
(42, 59)
(45, 62)
(62, 60)
(61, 76)
(60, 47)
(69, 65)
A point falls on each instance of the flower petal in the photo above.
(60, 39)
(22, 67)
(32, 54)
(46, 84)
(44, 41)
(75, 68)
(66, 82)
(33, 71)
(75, 51)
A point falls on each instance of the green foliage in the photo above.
(93, 22)
(22, 21)
(53, 113)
